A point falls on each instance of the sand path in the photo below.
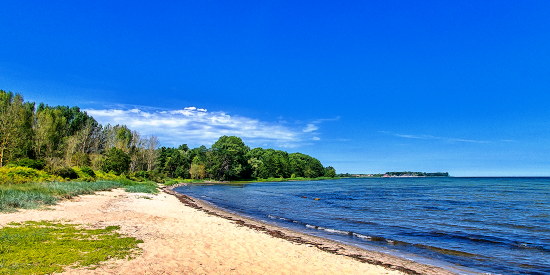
(181, 240)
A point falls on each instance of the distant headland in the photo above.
(404, 174)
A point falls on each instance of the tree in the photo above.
(117, 161)
(302, 165)
(151, 152)
(15, 127)
(49, 128)
(197, 170)
(118, 136)
(266, 163)
(330, 172)
(227, 159)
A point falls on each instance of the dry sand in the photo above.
(190, 238)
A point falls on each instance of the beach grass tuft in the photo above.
(46, 247)
(34, 195)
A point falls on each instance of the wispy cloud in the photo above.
(195, 126)
(430, 137)
(313, 126)
(310, 128)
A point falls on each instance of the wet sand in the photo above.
(183, 235)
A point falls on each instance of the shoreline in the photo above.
(179, 239)
(362, 255)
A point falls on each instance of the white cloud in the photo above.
(196, 126)
(430, 137)
(315, 138)
(310, 128)
(314, 125)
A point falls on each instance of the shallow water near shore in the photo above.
(496, 225)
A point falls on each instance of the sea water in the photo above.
(494, 225)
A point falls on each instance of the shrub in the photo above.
(140, 176)
(84, 174)
(100, 175)
(88, 171)
(18, 175)
(30, 163)
(66, 173)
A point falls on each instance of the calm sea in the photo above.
(495, 225)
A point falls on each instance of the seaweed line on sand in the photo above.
(362, 255)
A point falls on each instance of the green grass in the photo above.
(138, 187)
(171, 182)
(45, 247)
(34, 195)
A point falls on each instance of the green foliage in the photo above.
(49, 132)
(66, 173)
(80, 159)
(64, 136)
(88, 171)
(100, 175)
(330, 172)
(16, 119)
(30, 163)
(46, 247)
(174, 163)
(197, 171)
(302, 165)
(18, 175)
(268, 163)
(227, 159)
(117, 161)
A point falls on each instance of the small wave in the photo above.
(329, 230)
(338, 231)
(364, 237)
(489, 240)
(274, 217)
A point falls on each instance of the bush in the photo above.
(30, 163)
(18, 175)
(84, 174)
(140, 176)
(88, 171)
(66, 173)
(100, 175)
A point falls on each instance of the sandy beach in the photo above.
(185, 236)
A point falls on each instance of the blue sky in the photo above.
(365, 86)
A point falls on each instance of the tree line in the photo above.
(54, 138)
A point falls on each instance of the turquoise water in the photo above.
(496, 225)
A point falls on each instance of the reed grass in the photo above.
(34, 195)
